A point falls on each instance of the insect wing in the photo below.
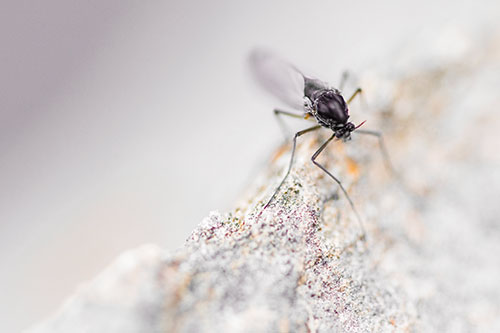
(280, 78)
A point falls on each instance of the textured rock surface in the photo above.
(430, 262)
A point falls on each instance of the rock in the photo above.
(429, 260)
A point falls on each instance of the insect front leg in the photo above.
(383, 149)
(313, 159)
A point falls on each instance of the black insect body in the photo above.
(330, 110)
(315, 99)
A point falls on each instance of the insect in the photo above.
(315, 99)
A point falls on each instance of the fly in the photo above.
(314, 98)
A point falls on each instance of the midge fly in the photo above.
(315, 99)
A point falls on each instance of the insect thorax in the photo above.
(309, 107)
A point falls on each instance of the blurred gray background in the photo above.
(126, 122)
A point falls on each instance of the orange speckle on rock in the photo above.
(279, 152)
(352, 167)
(339, 148)
(302, 280)
(313, 143)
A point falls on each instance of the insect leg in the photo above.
(358, 91)
(383, 149)
(278, 113)
(310, 129)
(343, 80)
(313, 158)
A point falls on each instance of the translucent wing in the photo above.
(279, 77)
